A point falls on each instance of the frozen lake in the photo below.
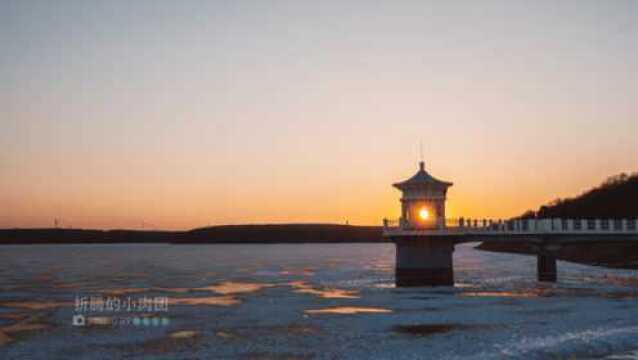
(306, 301)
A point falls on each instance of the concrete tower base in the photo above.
(424, 261)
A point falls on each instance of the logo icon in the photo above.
(79, 320)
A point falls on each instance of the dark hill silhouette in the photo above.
(280, 233)
(84, 236)
(617, 197)
(284, 233)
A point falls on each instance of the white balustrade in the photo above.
(552, 225)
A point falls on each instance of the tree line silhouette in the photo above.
(616, 197)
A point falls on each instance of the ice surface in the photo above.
(308, 301)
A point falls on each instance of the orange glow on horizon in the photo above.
(268, 125)
(181, 205)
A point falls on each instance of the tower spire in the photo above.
(421, 162)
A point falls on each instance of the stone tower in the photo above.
(422, 258)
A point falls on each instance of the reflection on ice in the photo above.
(515, 294)
(184, 334)
(546, 292)
(229, 287)
(13, 316)
(123, 291)
(349, 310)
(210, 300)
(99, 321)
(299, 272)
(27, 324)
(35, 305)
(303, 288)
(225, 335)
(173, 290)
(224, 288)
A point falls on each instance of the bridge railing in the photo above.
(521, 225)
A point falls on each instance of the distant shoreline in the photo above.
(224, 234)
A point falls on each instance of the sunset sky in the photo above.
(179, 114)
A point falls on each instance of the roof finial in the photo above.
(421, 163)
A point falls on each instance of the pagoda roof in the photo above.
(420, 179)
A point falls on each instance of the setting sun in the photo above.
(424, 214)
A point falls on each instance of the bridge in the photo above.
(425, 238)
(546, 237)
(534, 230)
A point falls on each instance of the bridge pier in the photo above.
(423, 261)
(546, 267)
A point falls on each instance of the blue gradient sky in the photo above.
(188, 113)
